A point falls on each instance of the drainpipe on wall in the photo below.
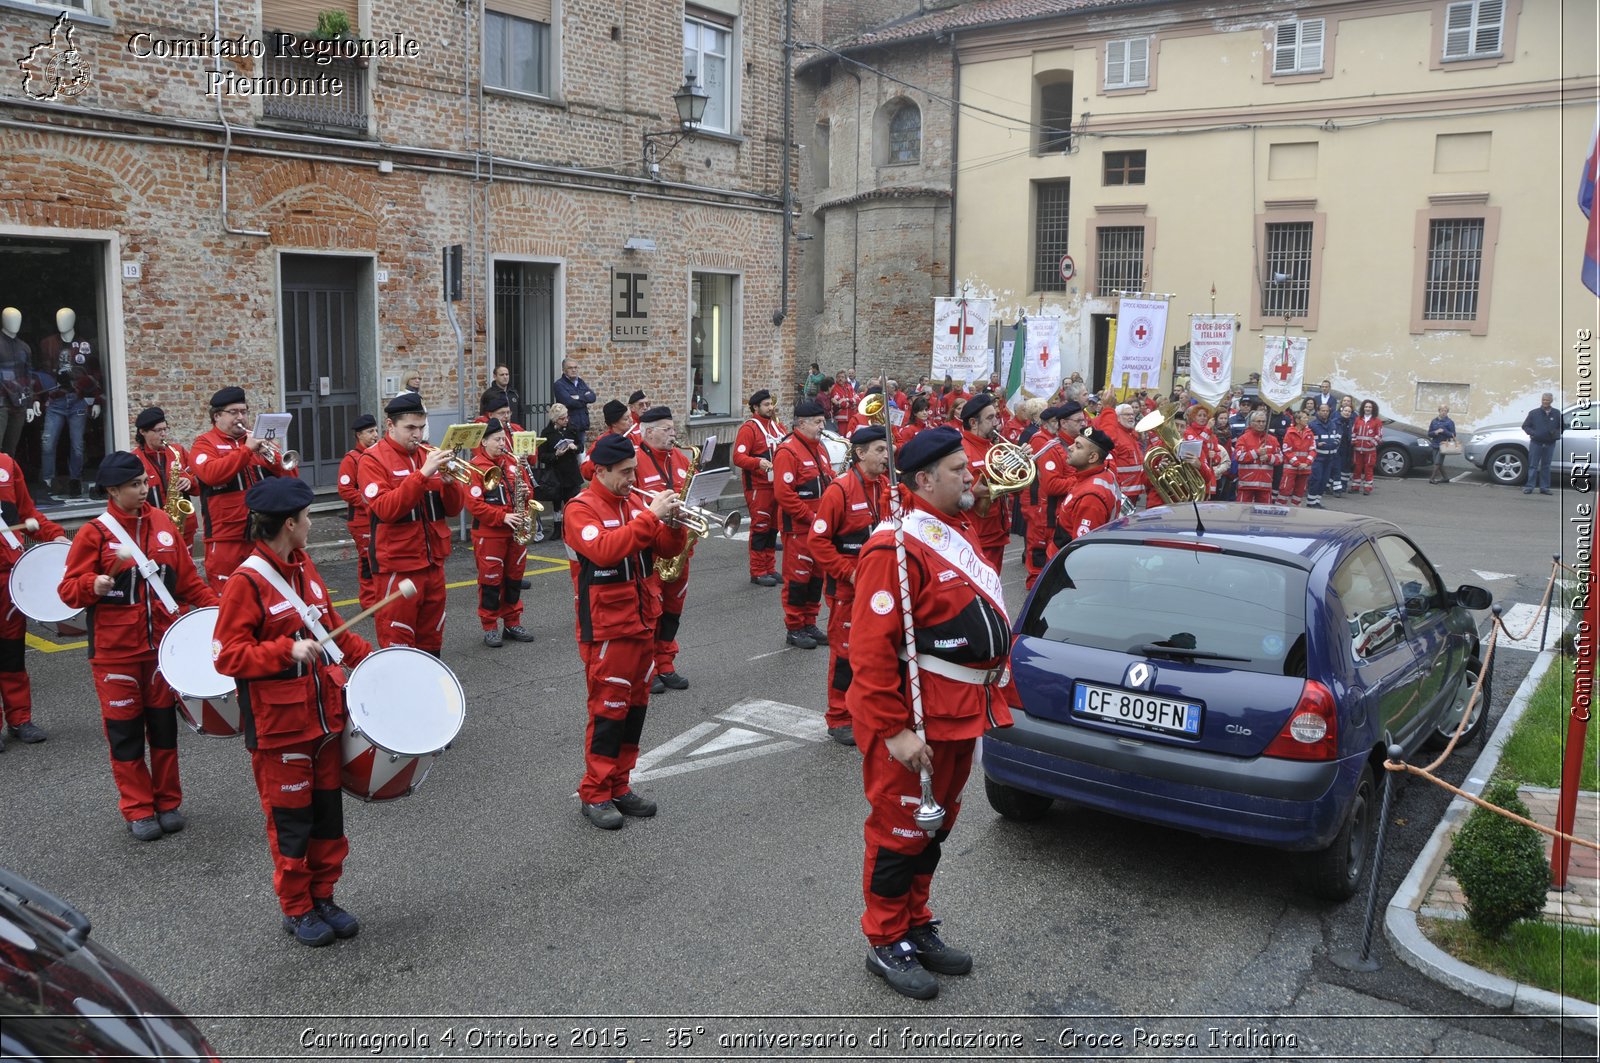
(227, 130)
(855, 227)
(782, 312)
(955, 143)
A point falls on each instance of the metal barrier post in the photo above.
(1363, 961)
(1549, 602)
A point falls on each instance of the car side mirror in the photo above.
(1471, 597)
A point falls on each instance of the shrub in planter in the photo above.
(1500, 864)
(332, 25)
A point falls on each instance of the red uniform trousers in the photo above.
(673, 596)
(840, 605)
(299, 789)
(136, 704)
(361, 532)
(995, 555)
(618, 671)
(802, 581)
(501, 563)
(223, 558)
(1292, 487)
(417, 621)
(16, 693)
(901, 858)
(1254, 495)
(1365, 462)
(763, 509)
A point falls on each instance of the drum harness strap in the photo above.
(145, 567)
(311, 617)
(11, 539)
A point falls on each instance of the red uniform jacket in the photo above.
(907, 432)
(406, 512)
(850, 508)
(490, 508)
(801, 471)
(225, 469)
(662, 470)
(993, 527)
(16, 506)
(1365, 433)
(1127, 459)
(355, 507)
(1093, 502)
(1299, 449)
(1055, 477)
(758, 437)
(282, 703)
(127, 623)
(951, 621)
(1255, 471)
(844, 398)
(158, 464)
(613, 543)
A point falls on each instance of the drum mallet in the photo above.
(407, 590)
(30, 526)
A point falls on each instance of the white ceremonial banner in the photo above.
(1283, 371)
(1141, 338)
(961, 339)
(1210, 356)
(1041, 363)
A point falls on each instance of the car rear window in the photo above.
(1121, 596)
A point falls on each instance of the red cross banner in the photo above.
(1041, 363)
(1210, 357)
(1283, 371)
(1141, 339)
(961, 339)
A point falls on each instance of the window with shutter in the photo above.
(517, 49)
(300, 16)
(1128, 63)
(1472, 29)
(1298, 47)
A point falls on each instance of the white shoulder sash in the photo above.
(146, 567)
(956, 549)
(311, 617)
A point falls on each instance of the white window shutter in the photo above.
(1116, 63)
(1283, 51)
(1458, 30)
(1311, 44)
(1139, 61)
(1491, 17)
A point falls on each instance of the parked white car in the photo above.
(1501, 450)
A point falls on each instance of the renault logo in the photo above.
(1139, 676)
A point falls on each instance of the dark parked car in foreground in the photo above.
(1241, 682)
(64, 997)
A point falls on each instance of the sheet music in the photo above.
(463, 436)
(706, 487)
(274, 426)
(708, 449)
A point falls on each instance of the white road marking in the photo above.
(774, 653)
(709, 762)
(791, 720)
(732, 738)
(672, 745)
(1519, 617)
(1492, 575)
(761, 727)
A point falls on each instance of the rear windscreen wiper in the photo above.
(1156, 649)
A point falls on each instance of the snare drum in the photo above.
(36, 582)
(838, 451)
(206, 698)
(403, 708)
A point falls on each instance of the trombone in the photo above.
(697, 519)
(464, 472)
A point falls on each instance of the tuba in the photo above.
(179, 509)
(1172, 478)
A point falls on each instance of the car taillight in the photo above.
(1008, 682)
(1312, 730)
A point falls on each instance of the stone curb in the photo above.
(1400, 918)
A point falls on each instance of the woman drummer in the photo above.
(291, 705)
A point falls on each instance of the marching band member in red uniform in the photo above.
(1214, 457)
(637, 404)
(963, 640)
(501, 560)
(1365, 435)
(851, 507)
(1095, 498)
(127, 618)
(1054, 483)
(408, 505)
(292, 705)
(753, 450)
(663, 467)
(16, 692)
(1127, 458)
(226, 461)
(919, 418)
(1256, 451)
(613, 542)
(843, 398)
(802, 470)
(618, 423)
(991, 517)
(356, 518)
(159, 457)
(1299, 452)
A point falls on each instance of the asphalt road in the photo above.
(495, 918)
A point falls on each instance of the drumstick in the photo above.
(407, 590)
(30, 526)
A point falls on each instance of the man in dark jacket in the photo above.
(502, 391)
(575, 395)
(1543, 425)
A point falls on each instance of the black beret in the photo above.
(876, 389)
(1050, 413)
(1100, 438)
(492, 400)
(975, 406)
(117, 468)
(637, 396)
(279, 496)
(868, 434)
(656, 413)
(927, 447)
(614, 411)
(403, 403)
(227, 397)
(759, 397)
(364, 422)
(610, 449)
(148, 419)
(1068, 409)
(808, 408)
(492, 426)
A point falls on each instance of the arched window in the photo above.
(905, 133)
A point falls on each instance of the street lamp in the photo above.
(691, 102)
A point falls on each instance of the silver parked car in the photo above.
(1501, 450)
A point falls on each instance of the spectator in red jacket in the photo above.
(356, 519)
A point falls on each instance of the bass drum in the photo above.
(403, 708)
(206, 697)
(35, 584)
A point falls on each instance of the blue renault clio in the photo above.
(1236, 671)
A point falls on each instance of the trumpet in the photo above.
(464, 472)
(698, 520)
(287, 460)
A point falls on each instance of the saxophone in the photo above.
(523, 503)
(670, 569)
(178, 506)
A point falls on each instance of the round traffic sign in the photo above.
(1068, 270)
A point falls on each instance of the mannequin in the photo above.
(68, 357)
(17, 405)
